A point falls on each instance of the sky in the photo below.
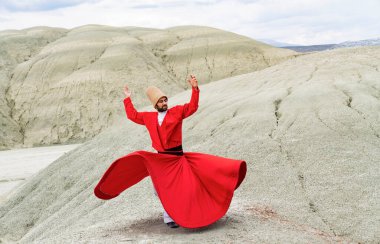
(303, 22)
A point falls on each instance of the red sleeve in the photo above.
(132, 114)
(192, 106)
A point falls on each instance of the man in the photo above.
(194, 188)
(169, 139)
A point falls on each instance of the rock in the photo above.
(308, 129)
(70, 89)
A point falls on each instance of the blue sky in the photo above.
(292, 21)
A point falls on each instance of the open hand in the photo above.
(193, 81)
(127, 91)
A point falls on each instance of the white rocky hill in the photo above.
(64, 86)
(308, 128)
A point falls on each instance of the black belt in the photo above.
(174, 150)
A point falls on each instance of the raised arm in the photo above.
(192, 106)
(132, 114)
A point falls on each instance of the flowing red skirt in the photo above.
(195, 189)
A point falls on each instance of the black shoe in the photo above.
(172, 225)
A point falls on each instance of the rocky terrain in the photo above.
(308, 128)
(61, 86)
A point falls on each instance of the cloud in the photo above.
(38, 5)
(297, 21)
(142, 6)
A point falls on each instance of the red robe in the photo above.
(195, 189)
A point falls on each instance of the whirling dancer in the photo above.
(194, 188)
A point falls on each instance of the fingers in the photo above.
(192, 81)
(192, 78)
(127, 91)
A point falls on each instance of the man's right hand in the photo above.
(127, 91)
(193, 81)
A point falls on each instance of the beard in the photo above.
(163, 109)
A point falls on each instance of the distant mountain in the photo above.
(369, 42)
(314, 48)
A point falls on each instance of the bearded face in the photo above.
(162, 104)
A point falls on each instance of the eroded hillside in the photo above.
(69, 88)
(308, 129)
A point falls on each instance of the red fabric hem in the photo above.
(195, 189)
